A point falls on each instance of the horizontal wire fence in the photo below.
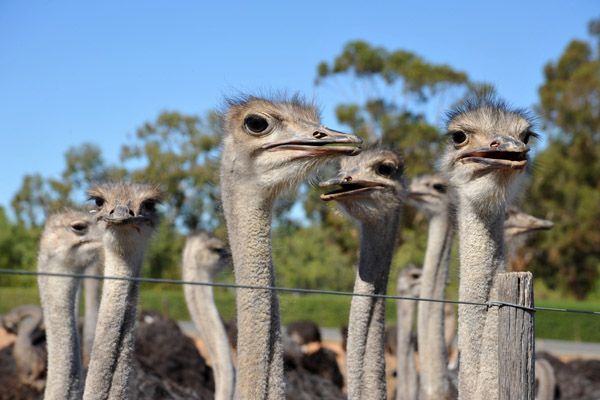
(492, 303)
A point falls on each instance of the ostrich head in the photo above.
(127, 211)
(371, 184)
(518, 223)
(273, 145)
(486, 153)
(409, 281)
(206, 252)
(71, 239)
(430, 194)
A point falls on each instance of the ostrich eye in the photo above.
(527, 136)
(99, 201)
(439, 187)
(256, 124)
(79, 227)
(459, 137)
(415, 276)
(386, 169)
(149, 205)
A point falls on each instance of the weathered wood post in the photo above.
(516, 337)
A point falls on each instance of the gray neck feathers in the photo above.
(406, 370)
(64, 379)
(545, 379)
(206, 317)
(432, 346)
(481, 259)
(109, 372)
(366, 348)
(91, 307)
(260, 351)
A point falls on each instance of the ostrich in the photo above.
(304, 332)
(268, 146)
(316, 359)
(301, 383)
(312, 374)
(127, 214)
(516, 227)
(577, 379)
(91, 307)
(70, 242)
(545, 380)
(430, 194)
(484, 159)
(408, 285)
(28, 351)
(372, 188)
(204, 257)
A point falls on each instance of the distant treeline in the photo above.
(391, 95)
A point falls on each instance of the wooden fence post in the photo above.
(516, 337)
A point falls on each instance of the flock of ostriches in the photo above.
(270, 146)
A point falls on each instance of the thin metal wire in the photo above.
(488, 304)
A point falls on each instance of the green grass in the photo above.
(333, 311)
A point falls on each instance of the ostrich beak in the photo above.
(318, 142)
(350, 187)
(503, 153)
(531, 224)
(122, 215)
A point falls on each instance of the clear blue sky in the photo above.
(74, 72)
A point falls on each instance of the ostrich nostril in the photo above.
(112, 211)
(131, 213)
(494, 144)
(319, 135)
(348, 179)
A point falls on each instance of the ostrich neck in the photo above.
(407, 379)
(366, 347)
(260, 353)
(430, 330)
(206, 317)
(109, 371)
(64, 358)
(91, 307)
(481, 259)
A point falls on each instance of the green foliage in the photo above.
(177, 151)
(418, 76)
(566, 186)
(163, 258)
(17, 251)
(311, 258)
(376, 76)
(86, 165)
(39, 197)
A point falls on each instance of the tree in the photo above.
(398, 98)
(18, 251)
(178, 152)
(566, 183)
(39, 196)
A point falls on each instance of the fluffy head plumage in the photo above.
(431, 194)
(372, 184)
(72, 239)
(271, 145)
(206, 252)
(486, 153)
